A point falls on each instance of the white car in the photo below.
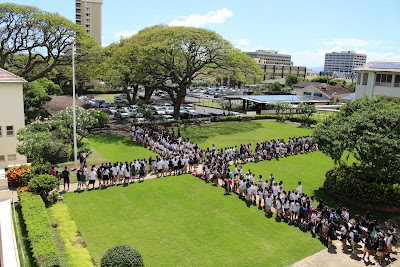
(169, 110)
(159, 110)
(112, 110)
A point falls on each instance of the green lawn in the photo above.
(210, 104)
(106, 97)
(227, 134)
(309, 169)
(118, 148)
(181, 221)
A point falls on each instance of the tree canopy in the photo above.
(367, 129)
(171, 58)
(34, 42)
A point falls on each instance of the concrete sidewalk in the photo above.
(336, 257)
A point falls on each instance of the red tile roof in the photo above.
(331, 90)
(8, 77)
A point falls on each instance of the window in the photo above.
(1, 131)
(87, 14)
(306, 93)
(365, 79)
(396, 84)
(318, 94)
(383, 80)
(12, 157)
(10, 130)
(2, 158)
(359, 78)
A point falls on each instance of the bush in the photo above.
(40, 233)
(43, 184)
(16, 176)
(122, 256)
(348, 181)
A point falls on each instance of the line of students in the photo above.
(297, 207)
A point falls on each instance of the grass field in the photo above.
(118, 148)
(106, 97)
(181, 221)
(227, 134)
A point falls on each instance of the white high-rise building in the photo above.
(344, 61)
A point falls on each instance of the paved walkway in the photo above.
(335, 257)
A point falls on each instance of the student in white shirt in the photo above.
(299, 188)
(92, 178)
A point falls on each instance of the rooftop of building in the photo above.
(379, 66)
(330, 90)
(8, 77)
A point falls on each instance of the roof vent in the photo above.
(323, 86)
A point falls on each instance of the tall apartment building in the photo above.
(272, 57)
(344, 61)
(88, 15)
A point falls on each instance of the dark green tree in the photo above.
(291, 79)
(306, 112)
(34, 42)
(367, 129)
(276, 86)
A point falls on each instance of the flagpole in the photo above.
(74, 104)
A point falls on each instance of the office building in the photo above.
(88, 15)
(272, 57)
(343, 62)
(279, 70)
(378, 78)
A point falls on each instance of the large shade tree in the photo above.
(33, 42)
(175, 56)
(367, 129)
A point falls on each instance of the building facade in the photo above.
(344, 61)
(280, 71)
(88, 15)
(12, 118)
(272, 57)
(378, 78)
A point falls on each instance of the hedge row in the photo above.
(74, 246)
(40, 233)
(344, 181)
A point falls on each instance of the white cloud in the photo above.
(198, 20)
(124, 34)
(242, 44)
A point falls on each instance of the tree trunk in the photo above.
(148, 92)
(177, 106)
(134, 94)
(128, 96)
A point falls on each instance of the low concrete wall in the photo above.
(8, 246)
(359, 204)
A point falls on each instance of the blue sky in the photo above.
(305, 29)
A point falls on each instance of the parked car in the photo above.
(105, 105)
(159, 110)
(122, 114)
(121, 101)
(112, 110)
(168, 117)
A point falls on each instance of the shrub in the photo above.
(43, 184)
(122, 256)
(15, 176)
(348, 181)
(40, 233)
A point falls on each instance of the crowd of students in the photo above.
(177, 155)
(296, 207)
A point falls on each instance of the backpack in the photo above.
(357, 236)
(394, 241)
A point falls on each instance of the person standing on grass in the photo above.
(299, 188)
(127, 173)
(83, 179)
(142, 172)
(65, 176)
(78, 178)
(92, 177)
(106, 176)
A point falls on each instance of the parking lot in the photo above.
(161, 109)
